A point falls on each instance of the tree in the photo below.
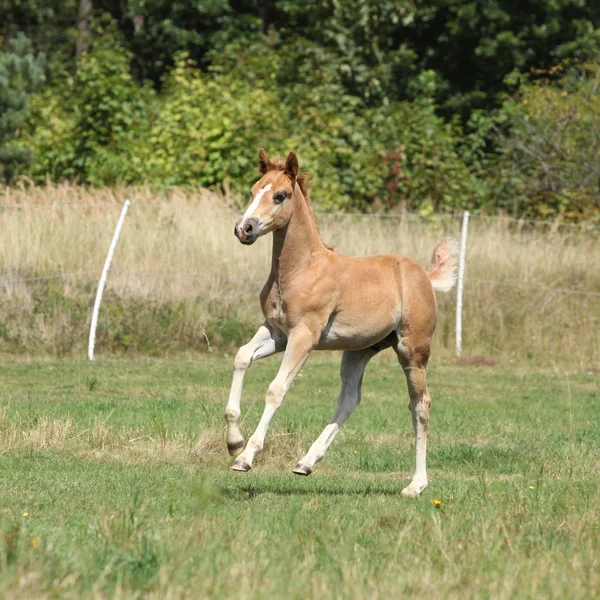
(48, 24)
(84, 16)
(21, 72)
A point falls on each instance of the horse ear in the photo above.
(291, 165)
(264, 164)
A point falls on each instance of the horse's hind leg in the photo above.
(264, 343)
(413, 358)
(353, 367)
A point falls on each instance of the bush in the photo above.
(88, 124)
(415, 160)
(548, 136)
(102, 127)
(207, 130)
(291, 98)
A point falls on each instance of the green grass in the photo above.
(121, 468)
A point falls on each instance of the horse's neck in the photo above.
(294, 244)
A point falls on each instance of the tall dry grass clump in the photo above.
(180, 278)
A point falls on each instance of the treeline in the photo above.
(393, 105)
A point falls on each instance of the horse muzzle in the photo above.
(247, 231)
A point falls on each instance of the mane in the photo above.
(305, 183)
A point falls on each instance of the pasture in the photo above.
(115, 483)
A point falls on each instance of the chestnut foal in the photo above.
(317, 299)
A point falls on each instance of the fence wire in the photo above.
(232, 211)
(192, 277)
(341, 214)
(47, 277)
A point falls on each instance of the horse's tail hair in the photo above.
(444, 264)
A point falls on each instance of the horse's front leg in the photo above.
(265, 343)
(300, 343)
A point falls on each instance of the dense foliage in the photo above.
(392, 105)
(550, 155)
(20, 73)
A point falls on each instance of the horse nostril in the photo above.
(248, 231)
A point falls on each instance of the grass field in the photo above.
(114, 483)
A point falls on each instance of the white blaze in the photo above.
(256, 201)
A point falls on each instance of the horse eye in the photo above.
(279, 197)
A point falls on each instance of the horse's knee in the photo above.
(243, 359)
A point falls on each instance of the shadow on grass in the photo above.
(460, 461)
(293, 485)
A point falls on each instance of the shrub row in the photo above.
(535, 156)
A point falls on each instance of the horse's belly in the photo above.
(343, 336)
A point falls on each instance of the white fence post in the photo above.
(102, 282)
(461, 280)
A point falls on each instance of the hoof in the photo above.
(240, 465)
(412, 491)
(235, 448)
(301, 469)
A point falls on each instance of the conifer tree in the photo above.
(21, 72)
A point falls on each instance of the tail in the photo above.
(444, 264)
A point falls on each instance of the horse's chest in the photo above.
(273, 309)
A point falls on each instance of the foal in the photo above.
(317, 299)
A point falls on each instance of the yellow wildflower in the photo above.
(437, 503)
(25, 514)
(34, 542)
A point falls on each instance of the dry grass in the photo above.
(101, 442)
(177, 247)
